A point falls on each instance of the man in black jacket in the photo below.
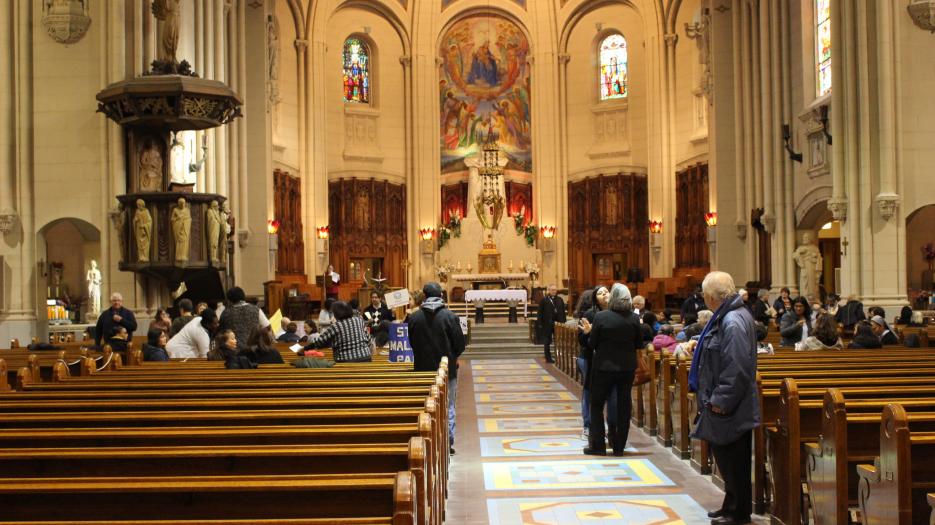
(693, 304)
(114, 316)
(435, 332)
(551, 311)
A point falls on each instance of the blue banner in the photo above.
(400, 351)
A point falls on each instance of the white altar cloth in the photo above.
(496, 295)
(490, 276)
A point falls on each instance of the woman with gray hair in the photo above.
(760, 308)
(614, 338)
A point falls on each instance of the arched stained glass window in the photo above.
(823, 46)
(356, 71)
(613, 56)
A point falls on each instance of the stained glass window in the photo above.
(613, 67)
(823, 46)
(356, 71)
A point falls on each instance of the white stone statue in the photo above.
(181, 222)
(213, 220)
(808, 258)
(94, 280)
(180, 160)
(143, 229)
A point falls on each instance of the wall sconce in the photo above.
(710, 219)
(428, 240)
(321, 242)
(655, 235)
(272, 226)
(787, 143)
(42, 268)
(546, 236)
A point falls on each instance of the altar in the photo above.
(505, 280)
(519, 295)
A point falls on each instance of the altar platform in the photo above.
(491, 280)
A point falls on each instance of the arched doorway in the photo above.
(919, 235)
(818, 221)
(64, 251)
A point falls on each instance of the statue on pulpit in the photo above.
(143, 230)
(181, 222)
(213, 218)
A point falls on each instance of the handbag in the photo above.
(641, 376)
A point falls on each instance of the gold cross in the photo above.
(844, 244)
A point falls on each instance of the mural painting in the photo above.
(484, 92)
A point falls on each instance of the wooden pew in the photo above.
(391, 497)
(847, 438)
(798, 416)
(893, 490)
(265, 406)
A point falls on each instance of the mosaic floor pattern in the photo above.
(524, 458)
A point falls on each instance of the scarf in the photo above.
(696, 357)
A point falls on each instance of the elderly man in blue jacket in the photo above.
(723, 374)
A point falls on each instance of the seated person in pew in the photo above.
(695, 328)
(290, 334)
(665, 339)
(796, 324)
(162, 320)
(225, 349)
(824, 336)
(379, 319)
(118, 339)
(155, 347)
(347, 337)
(185, 315)
(649, 326)
(849, 314)
(881, 330)
(260, 347)
(905, 316)
(194, 340)
(864, 336)
(761, 309)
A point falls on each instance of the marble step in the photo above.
(499, 338)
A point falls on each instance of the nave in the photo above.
(519, 459)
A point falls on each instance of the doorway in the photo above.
(609, 268)
(829, 244)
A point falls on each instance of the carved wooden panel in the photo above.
(519, 199)
(691, 204)
(287, 209)
(454, 197)
(367, 218)
(608, 216)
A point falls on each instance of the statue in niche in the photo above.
(120, 224)
(181, 221)
(808, 258)
(178, 162)
(168, 11)
(610, 206)
(362, 210)
(143, 229)
(213, 220)
(150, 168)
(272, 52)
(94, 280)
(227, 223)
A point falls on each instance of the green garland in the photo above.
(529, 231)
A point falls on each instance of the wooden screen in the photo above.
(368, 220)
(609, 216)
(287, 209)
(691, 231)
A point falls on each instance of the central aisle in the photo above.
(519, 459)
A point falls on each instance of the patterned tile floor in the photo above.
(519, 459)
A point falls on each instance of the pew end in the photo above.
(24, 377)
(4, 371)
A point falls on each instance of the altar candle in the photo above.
(521, 265)
(459, 264)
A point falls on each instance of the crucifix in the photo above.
(844, 244)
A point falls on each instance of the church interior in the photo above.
(299, 150)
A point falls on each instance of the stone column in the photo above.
(8, 217)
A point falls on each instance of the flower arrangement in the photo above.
(532, 268)
(452, 229)
(443, 271)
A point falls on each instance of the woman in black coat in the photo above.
(615, 337)
(783, 303)
(600, 297)
(261, 349)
